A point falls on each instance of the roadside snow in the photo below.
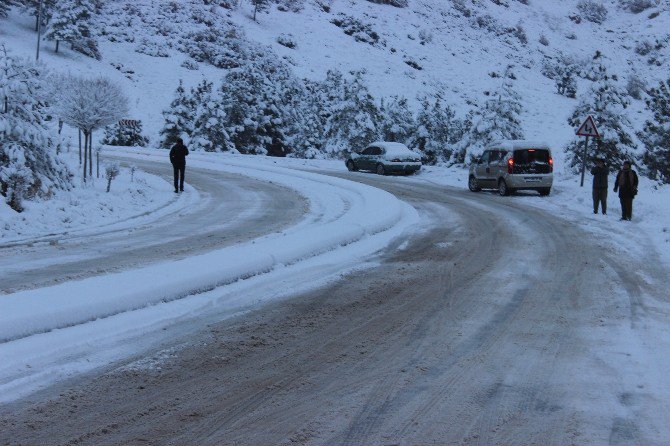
(134, 198)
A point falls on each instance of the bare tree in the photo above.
(88, 104)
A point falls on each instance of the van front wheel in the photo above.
(473, 184)
(544, 192)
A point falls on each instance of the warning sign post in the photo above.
(588, 129)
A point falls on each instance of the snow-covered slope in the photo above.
(460, 47)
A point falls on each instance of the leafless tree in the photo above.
(87, 104)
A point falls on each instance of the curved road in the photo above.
(231, 209)
(492, 327)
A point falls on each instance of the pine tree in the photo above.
(397, 122)
(28, 166)
(309, 139)
(607, 103)
(209, 131)
(4, 7)
(499, 119)
(656, 135)
(72, 24)
(355, 121)
(179, 118)
(438, 130)
(125, 135)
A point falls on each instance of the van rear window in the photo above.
(531, 156)
(531, 161)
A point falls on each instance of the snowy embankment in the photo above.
(341, 212)
(135, 198)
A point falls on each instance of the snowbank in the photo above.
(361, 211)
(135, 198)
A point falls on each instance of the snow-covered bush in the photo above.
(111, 171)
(656, 135)
(129, 135)
(396, 3)
(396, 120)
(361, 32)
(287, 40)
(643, 48)
(4, 7)
(543, 40)
(592, 10)
(425, 36)
(637, 6)
(290, 5)
(635, 86)
(190, 65)
(28, 165)
(153, 47)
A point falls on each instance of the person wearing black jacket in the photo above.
(626, 184)
(178, 155)
(600, 172)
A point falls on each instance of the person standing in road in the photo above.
(600, 172)
(626, 184)
(178, 155)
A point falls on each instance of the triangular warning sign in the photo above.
(588, 128)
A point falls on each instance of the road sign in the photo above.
(128, 122)
(588, 128)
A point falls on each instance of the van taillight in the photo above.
(510, 165)
(551, 164)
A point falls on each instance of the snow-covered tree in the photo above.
(88, 105)
(129, 135)
(32, 7)
(209, 128)
(397, 120)
(656, 135)
(179, 118)
(260, 6)
(498, 119)
(309, 139)
(254, 110)
(71, 23)
(355, 121)
(4, 7)
(28, 165)
(438, 131)
(607, 103)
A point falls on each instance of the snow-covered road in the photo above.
(218, 209)
(501, 324)
(225, 242)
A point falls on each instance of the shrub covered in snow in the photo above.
(396, 3)
(361, 32)
(112, 171)
(592, 10)
(119, 134)
(637, 6)
(28, 165)
(287, 40)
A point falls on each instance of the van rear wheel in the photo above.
(380, 169)
(544, 192)
(351, 166)
(503, 190)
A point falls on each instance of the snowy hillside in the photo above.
(455, 49)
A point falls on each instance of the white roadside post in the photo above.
(587, 129)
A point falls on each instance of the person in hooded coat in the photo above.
(626, 184)
(178, 155)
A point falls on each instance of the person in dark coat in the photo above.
(178, 155)
(600, 172)
(626, 184)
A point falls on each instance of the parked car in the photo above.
(510, 166)
(385, 158)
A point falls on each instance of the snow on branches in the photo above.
(28, 165)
